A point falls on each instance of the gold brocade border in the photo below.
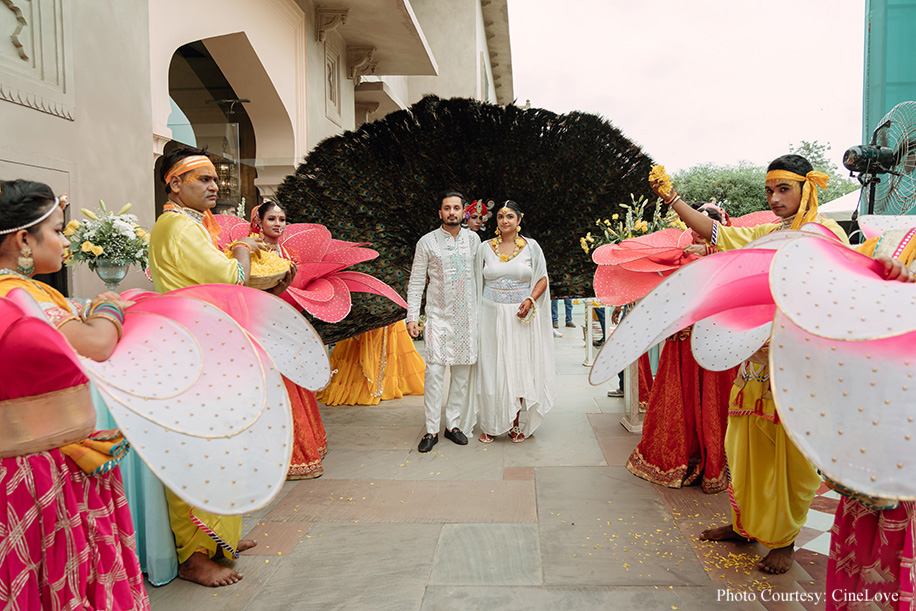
(44, 422)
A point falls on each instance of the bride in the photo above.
(516, 362)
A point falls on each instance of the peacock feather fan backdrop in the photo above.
(378, 184)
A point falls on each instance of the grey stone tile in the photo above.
(253, 517)
(358, 436)
(603, 526)
(576, 395)
(562, 439)
(354, 566)
(523, 473)
(362, 464)
(617, 450)
(275, 538)
(180, 594)
(449, 461)
(608, 425)
(487, 554)
(326, 500)
(407, 411)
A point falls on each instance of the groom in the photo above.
(446, 256)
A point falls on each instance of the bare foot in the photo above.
(246, 544)
(200, 569)
(779, 560)
(723, 533)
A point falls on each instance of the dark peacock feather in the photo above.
(378, 184)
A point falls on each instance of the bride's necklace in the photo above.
(495, 242)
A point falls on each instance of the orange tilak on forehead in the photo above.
(201, 175)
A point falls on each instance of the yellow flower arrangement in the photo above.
(634, 224)
(657, 173)
(114, 237)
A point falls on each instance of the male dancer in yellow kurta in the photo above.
(771, 483)
(182, 253)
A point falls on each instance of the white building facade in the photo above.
(92, 94)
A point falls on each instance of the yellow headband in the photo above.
(807, 209)
(190, 163)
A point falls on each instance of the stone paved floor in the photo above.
(554, 523)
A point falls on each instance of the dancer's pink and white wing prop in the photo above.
(233, 228)
(195, 400)
(732, 287)
(194, 379)
(873, 225)
(693, 293)
(725, 340)
(843, 358)
(225, 475)
(627, 271)
(195, 439)
(321, 287)
(292, 343)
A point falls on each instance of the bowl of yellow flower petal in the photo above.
(267, 270)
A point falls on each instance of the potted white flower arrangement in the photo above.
(108, 243)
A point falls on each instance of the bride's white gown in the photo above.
(516, 359)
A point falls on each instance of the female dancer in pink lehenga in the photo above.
(66, 537)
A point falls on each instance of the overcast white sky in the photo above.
(696, 81)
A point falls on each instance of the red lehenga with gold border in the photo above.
(66, 536)
(683, 439)
(310, 440)
(644, 367)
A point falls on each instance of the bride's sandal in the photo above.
(484, 438)
(515, 434)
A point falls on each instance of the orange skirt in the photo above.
(377, 365)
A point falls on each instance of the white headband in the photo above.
(35, 222)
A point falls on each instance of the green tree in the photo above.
(740, 188)
(818, 155)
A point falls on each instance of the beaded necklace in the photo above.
(495, 242)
